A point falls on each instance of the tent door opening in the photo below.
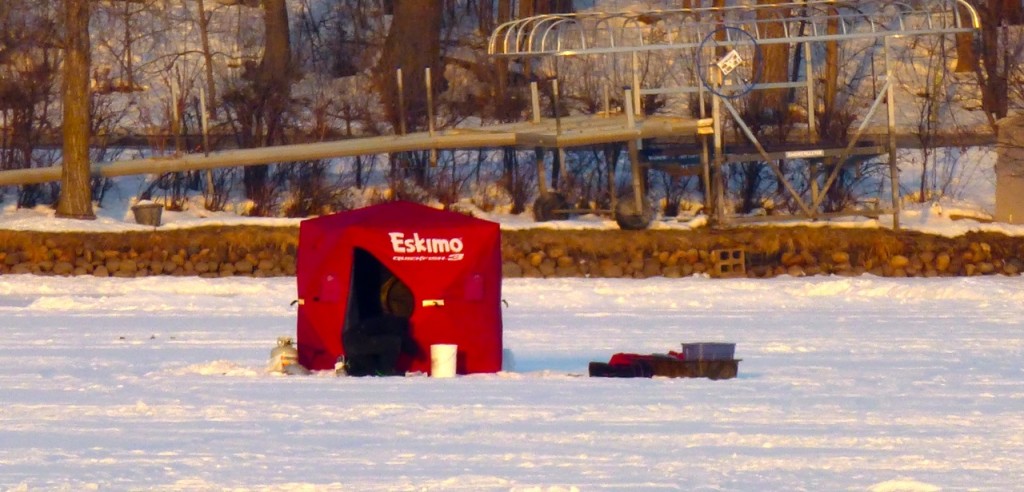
(375, 291)
(376, 328)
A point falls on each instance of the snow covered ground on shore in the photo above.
(969, 207)
(846, 384)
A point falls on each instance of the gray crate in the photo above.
(709, 351)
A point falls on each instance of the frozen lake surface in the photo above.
(845, 384)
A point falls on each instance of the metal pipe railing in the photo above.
(619, 32)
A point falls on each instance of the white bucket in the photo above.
(442, 360)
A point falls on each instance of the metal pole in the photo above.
(634, 154)
(637, 102)
(270, 155)
(738, 119)
(206, 140)
(705, 157)
(563, 174)
(705, 162)
(630, 117)
(401, 101)
(430, 103)
(558, 119)
(894, 171)
(607, 102)
(542, 181)
(812, 133)
(430, 116)
(563, 169)
(636, 84)
(812, 125)
(176, 119)
(204, 121)
(613, 200)
(535, 99)
(638, 183)
(717, 182)
(852, 143)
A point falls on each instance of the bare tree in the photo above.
(28, 77)
(204, 36)
(934, 87)
(995, 62)
(401, 75)
(774, 66)
(412, 45)
(259, 105)
(76, 195)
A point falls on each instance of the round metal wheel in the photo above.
(550, 206)
(631, 219)
(729, 62)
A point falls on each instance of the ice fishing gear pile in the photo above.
(284, 358)
(696, 360)
(710, 360)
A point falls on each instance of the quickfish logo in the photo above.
(417, 248)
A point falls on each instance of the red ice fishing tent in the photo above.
(442, 269)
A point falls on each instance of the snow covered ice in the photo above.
(846, 384)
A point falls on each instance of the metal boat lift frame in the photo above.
(803, 23)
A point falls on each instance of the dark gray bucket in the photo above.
(148, 213)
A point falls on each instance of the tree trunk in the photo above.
(829, 125)
(485, 16)
(831, 68)
(774, 66)
(529, 8)
(76, 193)
(993, 70)
(204, 37)
(277, 48)
(275, 76)
(502, 108)
(413, 44)
(1012, 11)
(272, 86)
(503, 112)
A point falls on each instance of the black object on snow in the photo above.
(372, 347)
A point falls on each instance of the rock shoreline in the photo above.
(755, 252)
(203, 251)
(761, 252)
